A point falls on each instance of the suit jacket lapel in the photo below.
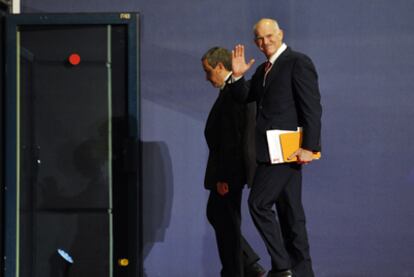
(260, 77)
(275, 68)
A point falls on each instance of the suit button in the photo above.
(261, 107)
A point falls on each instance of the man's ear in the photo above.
(280, 34)
(220, 65)
(256, 42)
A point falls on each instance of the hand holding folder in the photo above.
(290, 142)
(283, 143)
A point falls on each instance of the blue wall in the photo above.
(358, 198)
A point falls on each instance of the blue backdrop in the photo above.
(358, 198)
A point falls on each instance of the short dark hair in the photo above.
(217, 55)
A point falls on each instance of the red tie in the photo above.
(268, 65)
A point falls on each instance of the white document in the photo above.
(273, 143)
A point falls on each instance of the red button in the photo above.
(74, 59)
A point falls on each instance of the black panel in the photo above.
(64, 117)
(82, 236)
(64, 149)
(4, 8)
(64, 156)
(124, 231)
(1, 135)
(78, 137)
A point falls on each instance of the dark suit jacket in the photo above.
(290, 98)
(224, 134)
(249, 143)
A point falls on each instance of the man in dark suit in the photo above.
(225, 174)
(286, 92)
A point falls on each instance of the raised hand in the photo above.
(238, 61)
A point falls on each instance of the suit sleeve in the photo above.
(241, 90)
(307, 99)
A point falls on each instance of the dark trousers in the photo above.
(280, 187)
(223, 212)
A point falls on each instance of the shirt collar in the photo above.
(226, 80)
(278, 53)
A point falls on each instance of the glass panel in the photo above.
(65, 151)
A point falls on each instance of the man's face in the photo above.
(214, 75)
(268, 38)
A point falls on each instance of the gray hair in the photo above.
(218, 55)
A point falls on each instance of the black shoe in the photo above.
(286, 273)
(254, 270)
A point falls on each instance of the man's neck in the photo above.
(278, 52)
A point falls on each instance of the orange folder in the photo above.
(290, 142)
